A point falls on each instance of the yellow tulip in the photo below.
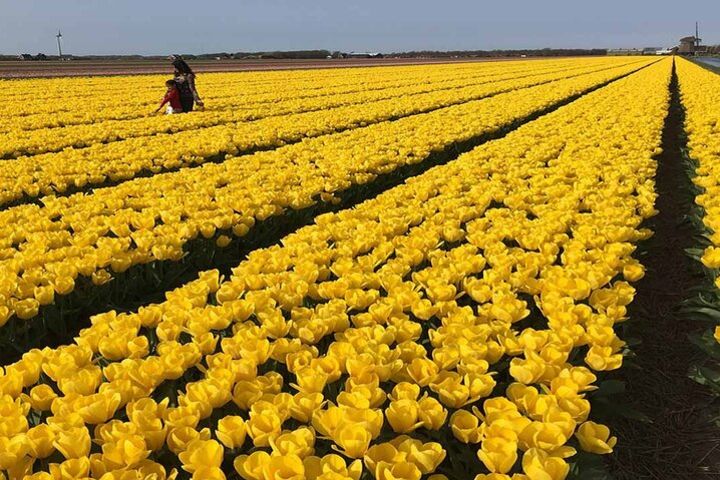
(100, 277)
(41, 397)
(403, 415)
(542, 435)
(353, 440)
(595, 438)
(426, 456)
(431, 413)
(405, 391)
(304, 405)
(27, 308)
(201, 453)
(383, 452)
(223, 241)
(539, 465)
(151, 428)
(529, 370)
(127, 452)
(465, 426)
(12, 451)
(397, 471)
(40, 440)
(310, 380)
(231, 431)
(284, 467)
(498, 454)
(251, 467)
(300, 442)
(603, 358)
(45, 295)
(711, 257)
(263, 427)
(73, 442)
(101, 408)
(73, 468)
(331, 466)
(179, 438)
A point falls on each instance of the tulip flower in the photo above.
(300, 442)
(12, 451)
(465, 426)
(284, 467)
(431, 413)
(179, 438)
(40, 440)
(397, 471)
(353, 440)
(251, 467)
(126, 452)
(498, 454)
(403, 415)
(73, 442)
(537, 465)
(201, 454)
(231, 431)
(595, 438)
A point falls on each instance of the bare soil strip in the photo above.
(81, 68)
(679, 439)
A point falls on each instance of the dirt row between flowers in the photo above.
(665, 421)
(82, 68)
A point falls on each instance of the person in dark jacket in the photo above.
(185, 80)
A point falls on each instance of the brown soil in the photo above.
(680, 440)
(30, 69)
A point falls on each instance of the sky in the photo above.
(151, 27)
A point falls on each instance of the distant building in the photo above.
(691, 46)
(624, 51)
(688, 45)
(650, 50)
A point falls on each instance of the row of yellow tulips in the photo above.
(444, 315)
(45, 250)
(700, 95)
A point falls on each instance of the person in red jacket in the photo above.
(172, 97)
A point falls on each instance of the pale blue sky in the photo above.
(184, 26)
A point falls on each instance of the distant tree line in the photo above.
(320, 54)
(545, 52)
(27, 56)
(317, 54)
(278, 55)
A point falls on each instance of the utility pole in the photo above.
(697, 37)
(59, 36)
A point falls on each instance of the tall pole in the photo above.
(697, 36)
(59, 36)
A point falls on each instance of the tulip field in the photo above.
(391, 273)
